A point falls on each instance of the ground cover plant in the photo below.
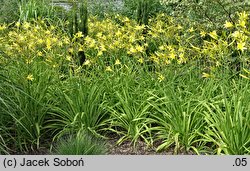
(141, 74)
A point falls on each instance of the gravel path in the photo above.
(116, 4)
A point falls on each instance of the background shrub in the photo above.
(9, 11)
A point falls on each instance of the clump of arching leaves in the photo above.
(184, 86)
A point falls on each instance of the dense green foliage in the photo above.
(169, 73)
(8, 11)
(81, 144)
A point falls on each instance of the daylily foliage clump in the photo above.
(180, 85)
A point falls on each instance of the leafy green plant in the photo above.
(143, 12)
(78, 19)
(3, 146)
(132, 8)
(174, 81)
(178, 120)
(80, 144)
(211, 12)
(8, 11)
(228, 121)
(34, 9)
(79, 107)
(3, 118)
(129, 110)
(78, 25)
(83, 12)
(27, 103)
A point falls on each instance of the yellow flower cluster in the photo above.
(121, 37)
(29, 41)
(114, 39)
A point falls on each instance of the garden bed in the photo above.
(146, 77)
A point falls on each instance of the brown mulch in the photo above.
(127, 148)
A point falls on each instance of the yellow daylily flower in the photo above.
(228, 24)
(213, 34)
(241, 46)
(30, 77)
(161, 77)
(117, 62)
(109, 69)
(203, 33)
